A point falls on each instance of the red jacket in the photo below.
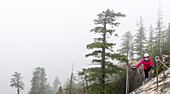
(146, 64)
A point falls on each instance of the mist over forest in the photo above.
(80, 47)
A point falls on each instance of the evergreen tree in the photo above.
(17, 82)
(139, 42)
(127, 45)
(127, 49)
(35, 82)
(39, 82)
(50, 90)
(132, 50)
(167, 41)
(103, 49)
(67, 87)
(56, 84)
(43, 82)
(60, 90)
(159, 38)
(150, 41)
(84, 81)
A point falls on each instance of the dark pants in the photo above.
(147, 72)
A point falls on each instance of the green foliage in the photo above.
(158, 45)
(103, 50)
(127, 45)
(56, 83)
(17, 82)
(167, 41)
(104, 18)
(150, 42)
(100, 45)
(121, 58)
(60, 90)
(153, 53)
(159, 37)
(39, 82)
(160, 69)
(93, 76)
(139, 42)
(74, 87)
(50, 90)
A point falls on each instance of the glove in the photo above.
(134, 68)
(152, 67)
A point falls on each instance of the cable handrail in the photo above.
(157, 59)
(163, 58)
(164, 65)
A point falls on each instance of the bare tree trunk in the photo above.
(18, 91)
(127, 80)
(87, 87)
(84, 89)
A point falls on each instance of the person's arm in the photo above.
(139, 64)
(152, 64)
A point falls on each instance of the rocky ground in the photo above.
(151, 88)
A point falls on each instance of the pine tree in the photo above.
(127, 45)
(39, 82)
(56, 84)
(103, 49)
(67, 86)
(83, 77)
(132, 50)
(150, 43)
(139, 42)
(159, 38)
(43, 82)
(60, 90)
(17, 82)
(35, 82)
(50, 90)
(128, 50)
(167, 40)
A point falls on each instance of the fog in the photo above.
(54, 33)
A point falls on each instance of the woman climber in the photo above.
(147, 65)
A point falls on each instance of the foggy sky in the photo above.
(54, 33)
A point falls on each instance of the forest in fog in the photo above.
(79, 51)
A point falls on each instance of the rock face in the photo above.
(136, 77)
(151, 86)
